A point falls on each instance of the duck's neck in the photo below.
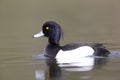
(54, 40)
(52, 49)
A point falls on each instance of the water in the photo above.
(82, 21)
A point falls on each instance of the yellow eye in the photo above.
(47, 28)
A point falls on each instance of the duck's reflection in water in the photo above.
(54, 71)
(54, 68)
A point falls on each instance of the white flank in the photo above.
(80, 54)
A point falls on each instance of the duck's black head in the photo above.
(52, 30)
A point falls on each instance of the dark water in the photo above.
(82, 21)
